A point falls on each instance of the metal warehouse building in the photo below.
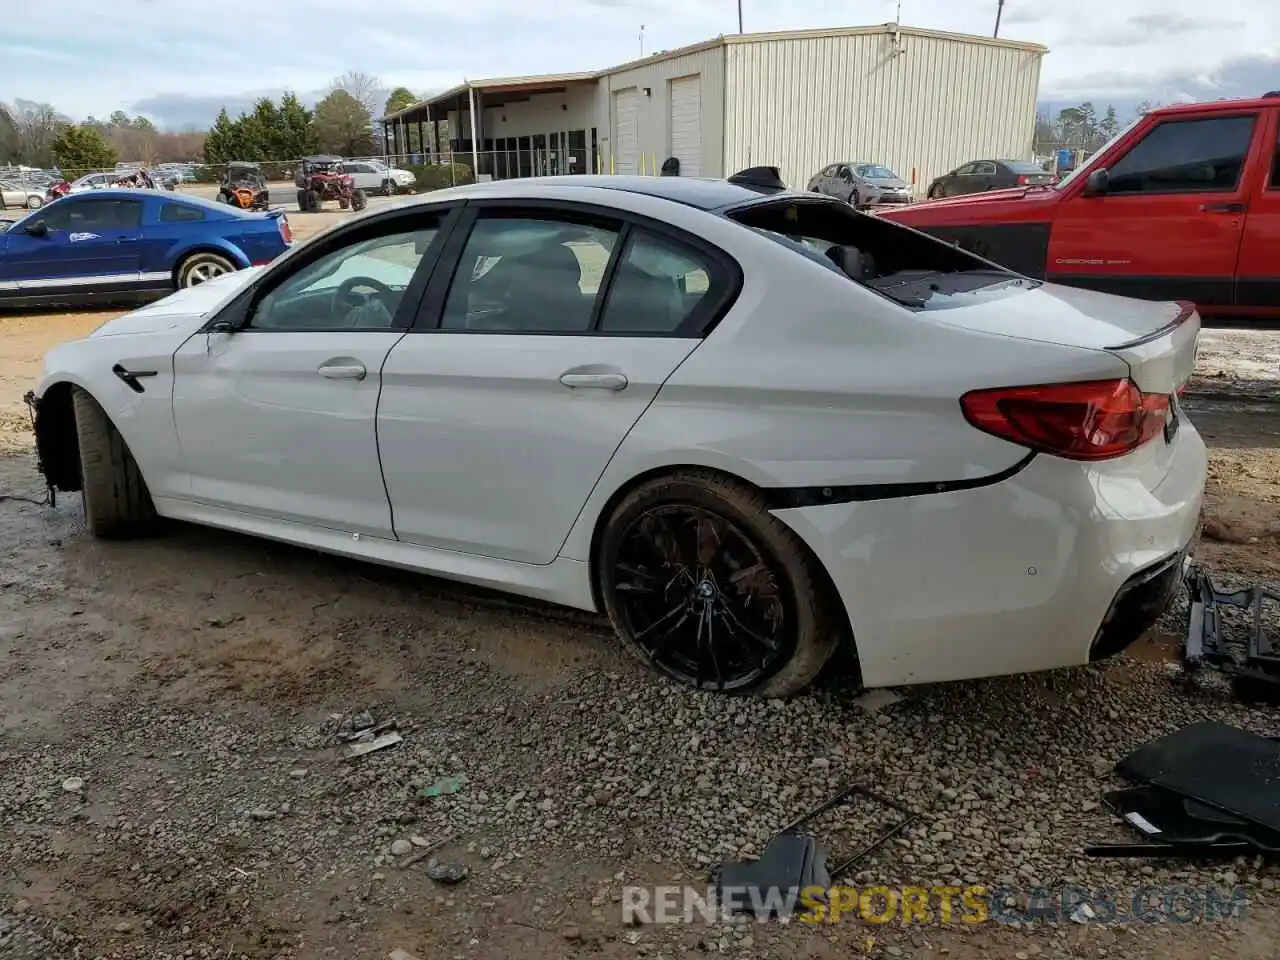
(919, 101)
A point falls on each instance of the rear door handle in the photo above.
(594, 381)
(342, 368)
(1223, 208)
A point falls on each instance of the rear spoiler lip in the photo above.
(1186, 309)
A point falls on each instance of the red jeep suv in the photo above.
(1183, 204)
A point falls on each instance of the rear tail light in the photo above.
(286, 231)
(1023, 180)
(1095, 420)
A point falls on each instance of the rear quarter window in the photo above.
(180, 213)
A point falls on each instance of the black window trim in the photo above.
(723, 269)
(79, 201)
(1253, 115)
(239, 311)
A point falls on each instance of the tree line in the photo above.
(1081, 127)
(342, 122)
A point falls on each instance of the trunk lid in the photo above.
(1156, 339)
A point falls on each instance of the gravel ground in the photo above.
(172, 784)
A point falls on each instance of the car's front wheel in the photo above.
(115, 497)
(706, 586)
(201, 267)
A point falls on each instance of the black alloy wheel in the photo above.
(711, 590)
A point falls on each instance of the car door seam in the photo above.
(377, 436)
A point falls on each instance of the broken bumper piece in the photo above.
(1252, 658)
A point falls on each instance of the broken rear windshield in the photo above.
(910, 268)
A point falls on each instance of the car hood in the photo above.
(891, 182)
(183, 311)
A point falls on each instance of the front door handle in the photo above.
(594, 381)
(342, 368)
(1223, 208)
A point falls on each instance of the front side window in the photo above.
(527, 275)
(1185, 156)
(355, 287)
(91, 216)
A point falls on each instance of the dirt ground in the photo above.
(185, 679)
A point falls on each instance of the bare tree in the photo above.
(36, 126)
(370, 91)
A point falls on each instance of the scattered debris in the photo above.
(73, 784)
(401, 847)
(220, 622)
(447, 873)
(427, 849)
(877, 699)
(1250, 664)
(1204, 791)
(359, 749)
(444, 785)
(398, 954)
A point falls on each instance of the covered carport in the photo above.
(509, 127)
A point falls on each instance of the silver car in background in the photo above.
(861, 184)
(20, 196)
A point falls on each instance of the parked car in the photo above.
(373, 176)
(19, 196)
(983, 175)
(861, 184)
(1182, 204)
(95, 181)
(130, 243)
(747, 424)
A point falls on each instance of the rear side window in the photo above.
(1275, 166)
(180, 213)
(1023, 167)
(1186, 156)
(658, 286)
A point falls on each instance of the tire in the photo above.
(115, 497)
(314, 203)
(358, 200)
(35, 203)
(855, 201)
(302, 201)
(201, 267)
(343, 203)
(795, 583)
(389, 188)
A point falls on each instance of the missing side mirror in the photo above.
(1097, 184)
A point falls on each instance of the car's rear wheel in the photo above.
(35, 203)
(201, 267)
(389, 188)
(115, 497)
(710, 589)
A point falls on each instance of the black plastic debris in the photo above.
(792, 861)
(447, 873)
(1206, 790)
(1252, 663)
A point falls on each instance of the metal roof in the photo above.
(550, 81)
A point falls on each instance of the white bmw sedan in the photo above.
(746, 424)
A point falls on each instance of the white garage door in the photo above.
(686, 124)
(626, 104)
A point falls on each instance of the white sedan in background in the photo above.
(746, 424)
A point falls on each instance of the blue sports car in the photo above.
(122, 244)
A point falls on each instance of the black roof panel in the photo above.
(700, 192)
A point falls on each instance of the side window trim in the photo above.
(724, 269)
(239, 311)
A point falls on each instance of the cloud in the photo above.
(179, 64)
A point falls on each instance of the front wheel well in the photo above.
(830, 593)
(57, 442)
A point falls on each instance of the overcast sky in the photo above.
(179, 60)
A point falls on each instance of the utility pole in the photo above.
(999, 10)
(642, 41)
(739, 16)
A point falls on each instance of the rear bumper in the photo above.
(1061, 563)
